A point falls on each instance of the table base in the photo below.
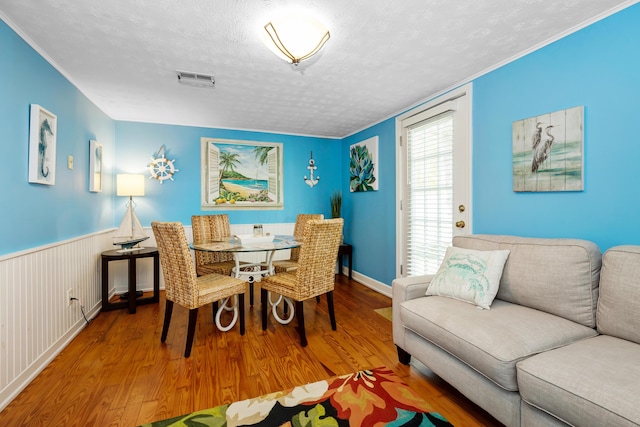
(223, 307)
(274, 309)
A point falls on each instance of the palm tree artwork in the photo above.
(246, 173)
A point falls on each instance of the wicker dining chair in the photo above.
(212, 227)
(315, 274)
(291, 264)
(183, 286)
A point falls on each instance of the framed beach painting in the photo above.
(241, 174)
(548, 152)
(95, 166)
(363, 165)
(43, 130)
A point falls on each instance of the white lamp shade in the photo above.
(295, 37)
(130, 185)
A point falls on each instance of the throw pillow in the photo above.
(469, 275)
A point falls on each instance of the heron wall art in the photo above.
(548, 151)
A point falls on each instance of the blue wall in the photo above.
(598, 68)
(371, 215)
(34, 214)
(177, 200)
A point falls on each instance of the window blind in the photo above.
(429, 201)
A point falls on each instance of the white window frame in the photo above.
(463, 152)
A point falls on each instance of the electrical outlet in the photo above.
(69, 296)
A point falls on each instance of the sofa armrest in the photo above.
(404, 289)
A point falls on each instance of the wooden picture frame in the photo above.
(43, 130)
(548, 152)
(241, 174)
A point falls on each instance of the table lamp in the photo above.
(130, 232)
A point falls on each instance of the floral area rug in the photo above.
(368, 398)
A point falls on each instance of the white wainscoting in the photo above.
(36, 321)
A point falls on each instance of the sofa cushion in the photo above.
(591, 382)
(559, 276)
(619, 303)
(489, 341)
(469, 275)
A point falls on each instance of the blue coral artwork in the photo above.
(363, 166)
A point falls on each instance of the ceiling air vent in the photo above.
(196, 79)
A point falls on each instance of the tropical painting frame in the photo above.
(43, 131)
(363, 165)
(241, 174)
(548, 152)
(95, 166)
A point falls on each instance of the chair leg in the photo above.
(251, 292)
(168, 309)
(191, 331)
(241, 309)
(300, 316)
(264, 303)
(332, 313)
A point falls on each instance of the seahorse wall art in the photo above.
(45, 129)
(42, 146)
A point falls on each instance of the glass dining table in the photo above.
(250, 271)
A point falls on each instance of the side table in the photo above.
(345, 249)
(131, 257)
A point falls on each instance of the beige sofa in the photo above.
(551, 350)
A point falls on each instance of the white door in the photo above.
(434, 181)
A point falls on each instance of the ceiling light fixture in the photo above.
(196, 79)
(296, 38)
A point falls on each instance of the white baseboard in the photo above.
(381, 288)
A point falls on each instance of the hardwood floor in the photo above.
(117, 373)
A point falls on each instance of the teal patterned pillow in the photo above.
(469, 275)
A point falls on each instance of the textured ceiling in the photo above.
(382, 56)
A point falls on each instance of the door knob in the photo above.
(460, 224)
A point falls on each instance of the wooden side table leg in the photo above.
(132, 285)
(350, 264)
(105, 284)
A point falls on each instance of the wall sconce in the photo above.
(295, 38)
(312, 167)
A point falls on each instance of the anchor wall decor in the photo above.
(312, 167)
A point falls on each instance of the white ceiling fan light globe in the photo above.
(301, 36)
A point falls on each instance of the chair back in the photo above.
(317, 262)
(211, 227)
(177, 265)
(298, 230)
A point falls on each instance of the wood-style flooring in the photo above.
(116, 372)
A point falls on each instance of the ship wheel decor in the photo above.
(160, 167)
